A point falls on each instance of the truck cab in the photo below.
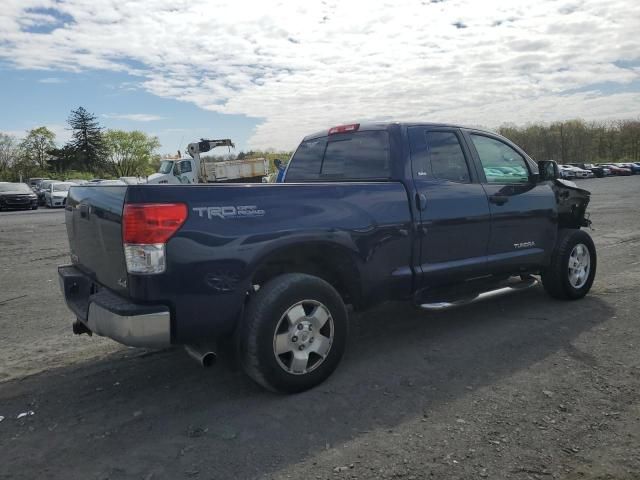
(175, 172)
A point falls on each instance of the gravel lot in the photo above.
(521, 387)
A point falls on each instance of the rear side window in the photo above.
(446, 157)
(342, 157)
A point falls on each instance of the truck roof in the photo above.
(385, 125)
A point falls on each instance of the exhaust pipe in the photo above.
(202, 354)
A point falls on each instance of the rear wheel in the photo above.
(573, 266)
(293, 333)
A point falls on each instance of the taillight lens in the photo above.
(152, 223)
(146, 227)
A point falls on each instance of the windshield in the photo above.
(61, 187)
(166, 166)
(15, 187)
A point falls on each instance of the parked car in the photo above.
(566, 172)
(35, 181)
(41, 189)
(635, 169)
(17, 195)
(580, 172)
(597, 170)
(616, 170)
(605, 169)
(56, 194)
(239, 265)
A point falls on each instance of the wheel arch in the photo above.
(333, 262)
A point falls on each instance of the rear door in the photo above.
(523, 211)
(454, 218)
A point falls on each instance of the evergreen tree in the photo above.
(87, 139)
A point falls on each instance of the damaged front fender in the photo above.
(572, 204)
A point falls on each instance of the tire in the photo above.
(35, 207)
(274, 314)
(558, 279)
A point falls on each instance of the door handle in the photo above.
(498, 199)
(421, 201)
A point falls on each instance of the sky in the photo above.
(266, 73)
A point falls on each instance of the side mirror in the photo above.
(548, 170)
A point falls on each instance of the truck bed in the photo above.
(210, 259)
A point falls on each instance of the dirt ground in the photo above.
(519, 387)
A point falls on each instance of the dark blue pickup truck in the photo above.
(434, 214)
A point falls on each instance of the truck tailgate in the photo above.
(93, 217)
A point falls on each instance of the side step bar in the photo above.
(523, 284)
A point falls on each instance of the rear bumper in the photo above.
(110, 315)
(58, 202)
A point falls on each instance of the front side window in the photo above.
(500, 162)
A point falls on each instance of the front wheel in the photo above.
(573, 266)
(293, 333)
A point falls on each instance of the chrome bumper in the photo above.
(145, 330)
(112, 316)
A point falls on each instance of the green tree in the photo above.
(36, 146)
(8, 152)
(64, 159)
(87, 139)
(130, 153)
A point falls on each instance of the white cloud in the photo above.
(135, 117)
(302, 66)
(51, 80)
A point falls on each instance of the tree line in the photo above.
(577, 141)
(91, 151)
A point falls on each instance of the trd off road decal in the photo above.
(229, 212)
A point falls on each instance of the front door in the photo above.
(523, 218)
(454, 213)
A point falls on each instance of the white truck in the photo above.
(194, 170)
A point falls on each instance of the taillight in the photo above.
(146, 227)
(344, 128)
